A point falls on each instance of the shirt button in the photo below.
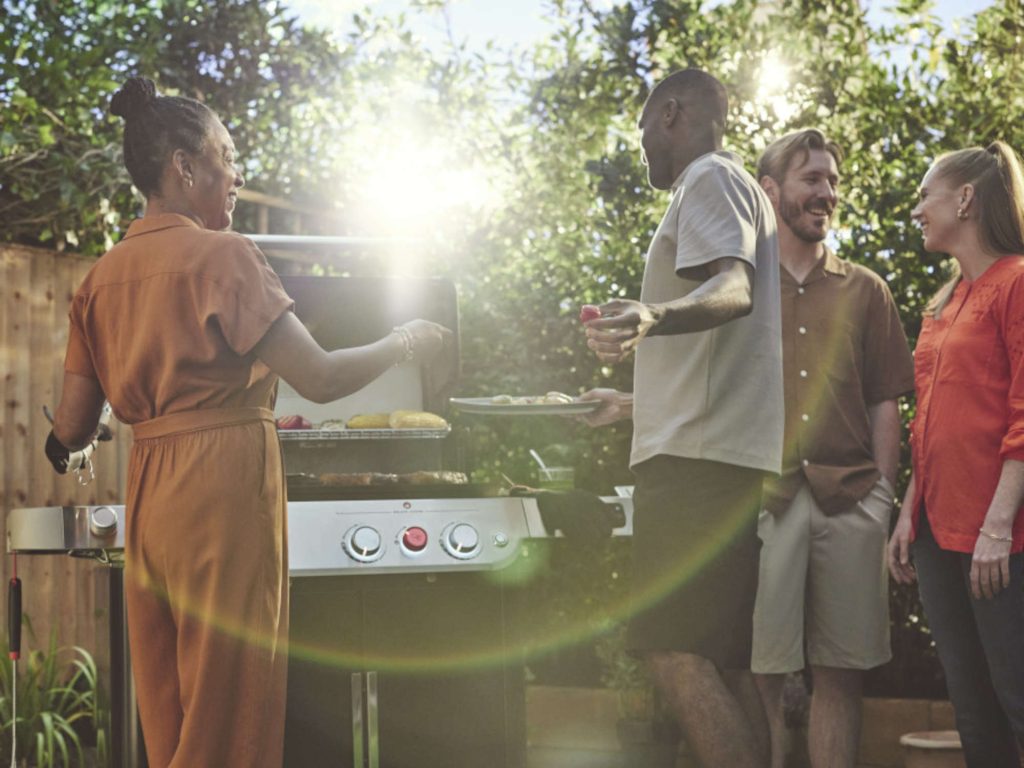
(805, 417)
(800, 290)
(806, 463)
(802, 329)
(803, 374)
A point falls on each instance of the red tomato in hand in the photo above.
(589, 312)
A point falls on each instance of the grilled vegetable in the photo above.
(368, 421)
(416, 420)
(293, 422)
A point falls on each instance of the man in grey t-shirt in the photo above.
(707, 410)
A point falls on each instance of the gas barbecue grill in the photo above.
(388, 602)
(404, 646)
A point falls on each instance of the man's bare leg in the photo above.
(834, 728)
(711, 719)
(770, 687)
(741, 684)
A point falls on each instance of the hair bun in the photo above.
(136, 94)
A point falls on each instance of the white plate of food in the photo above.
(551, 404)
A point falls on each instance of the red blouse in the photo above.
(969, 377)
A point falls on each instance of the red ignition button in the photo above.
(414, 539)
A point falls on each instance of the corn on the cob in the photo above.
(368, 421)
(416, 420)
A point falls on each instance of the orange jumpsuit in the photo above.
(167, 321)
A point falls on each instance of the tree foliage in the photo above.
(62, 182)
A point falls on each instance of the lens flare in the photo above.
(342, 645)
(774, 87)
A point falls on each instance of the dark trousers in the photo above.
(981, 647)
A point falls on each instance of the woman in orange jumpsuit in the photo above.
(182, 327)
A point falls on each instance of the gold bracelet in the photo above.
(407, 342)
(992, 536)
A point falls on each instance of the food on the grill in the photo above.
(293, 422)
(589, 312)
(437, 477)
(397, 420)
(340, 479)
(416, 420)
(368, 421)
(302, 480)
(332, 424)
(551, 398)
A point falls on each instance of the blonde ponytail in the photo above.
(998, 181)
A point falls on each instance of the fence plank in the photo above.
(42, 578)
(61, 594)
(6, 361)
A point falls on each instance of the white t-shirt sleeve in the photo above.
(717, 218)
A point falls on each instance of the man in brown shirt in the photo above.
(822, 580)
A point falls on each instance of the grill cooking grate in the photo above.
(334, 435)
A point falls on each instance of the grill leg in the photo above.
(126, 748)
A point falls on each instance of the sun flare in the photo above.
(774, 87)
(413, 183)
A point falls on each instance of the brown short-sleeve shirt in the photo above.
(843, 349)
(168, 318)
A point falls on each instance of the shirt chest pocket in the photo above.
(838, 352)
(973, 353)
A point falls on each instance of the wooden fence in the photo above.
(59, 593)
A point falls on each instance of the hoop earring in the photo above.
(960, 212)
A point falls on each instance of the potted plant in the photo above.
(645, 737)
(62, 717)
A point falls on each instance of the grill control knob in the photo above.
(414, 540)
(102, 522)
(363, 543)
(461, 541)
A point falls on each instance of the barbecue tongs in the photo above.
(80, 461)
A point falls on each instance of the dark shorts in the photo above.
(695, 559)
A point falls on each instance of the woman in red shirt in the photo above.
(960, 518)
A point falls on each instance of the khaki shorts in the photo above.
(823, 584)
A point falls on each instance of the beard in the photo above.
(791, 213)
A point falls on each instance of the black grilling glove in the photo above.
(57, 453)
